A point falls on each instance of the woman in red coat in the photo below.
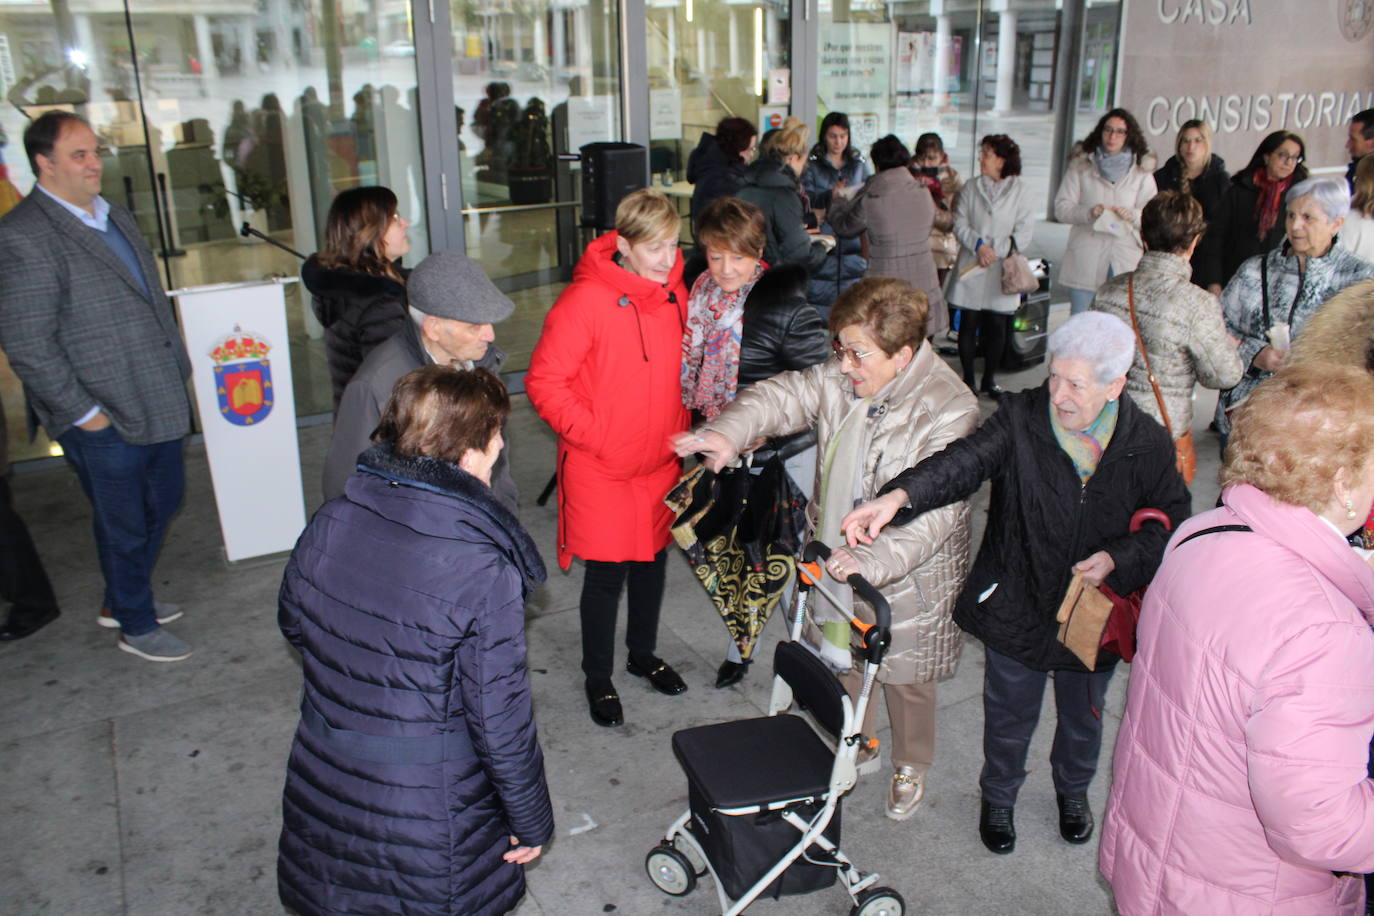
(606, 376)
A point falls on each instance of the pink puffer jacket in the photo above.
(1239, 778)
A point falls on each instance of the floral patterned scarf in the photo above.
(710, 345)
(1085, 447)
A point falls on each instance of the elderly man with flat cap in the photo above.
(453, 306)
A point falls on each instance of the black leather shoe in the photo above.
(1075, 818)
(996, 830)
(664, 678)
(730, 673)
(994, 391)
(604, 704)
(26, 623)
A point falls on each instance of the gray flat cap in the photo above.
(450, 285)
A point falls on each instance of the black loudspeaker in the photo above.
(609, 172)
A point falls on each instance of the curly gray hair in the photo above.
(1102, 341)
(1331, 194)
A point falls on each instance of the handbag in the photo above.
(1017, 276)
(1185, 455)
(1119, 634)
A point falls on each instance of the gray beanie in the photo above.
(450, 285)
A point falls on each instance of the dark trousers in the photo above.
(601, 587)
(23, 582)
(134, 491)
(1011, 709)
(991, 328)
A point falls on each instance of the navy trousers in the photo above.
(1012, 695)
(134, 491)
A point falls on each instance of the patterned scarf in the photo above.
(1271, 194)
(1085, 447)
(993, 187)
(710, 346)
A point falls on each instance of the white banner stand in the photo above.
(236, 335)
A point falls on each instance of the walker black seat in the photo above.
(770, 758)
(754, 761)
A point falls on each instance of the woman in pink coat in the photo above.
(1239, 779)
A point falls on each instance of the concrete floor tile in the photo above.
(60, 844)
(200, 800)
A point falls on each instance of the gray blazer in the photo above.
(80, 331)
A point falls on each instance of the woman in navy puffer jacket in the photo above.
(416, 782)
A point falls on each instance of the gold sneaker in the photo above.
(904, 796)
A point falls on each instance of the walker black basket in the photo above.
(744, 846)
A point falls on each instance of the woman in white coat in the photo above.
(1111, 173)
(993, 210)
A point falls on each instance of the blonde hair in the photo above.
(645, 216)
(1201, 127)
(1299, 429)
(788, 140)
(1363, 201)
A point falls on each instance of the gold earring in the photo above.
(1350, 510)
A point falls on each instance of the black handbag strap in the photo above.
(1264, 289)
(1213, 530)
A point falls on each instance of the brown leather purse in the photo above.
(1185, 454)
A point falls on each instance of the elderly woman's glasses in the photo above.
(841, 351)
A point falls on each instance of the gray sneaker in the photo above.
(156, 646)
(165, 610)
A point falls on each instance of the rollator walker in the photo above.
(764, 794)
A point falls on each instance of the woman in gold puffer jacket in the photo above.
(887, 400)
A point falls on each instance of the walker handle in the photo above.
(876, 634)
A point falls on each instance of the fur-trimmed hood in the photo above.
(440, 499)
(338, 290)
(1341, 332)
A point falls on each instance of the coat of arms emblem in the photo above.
(243, 377)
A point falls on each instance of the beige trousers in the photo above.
(911, 713)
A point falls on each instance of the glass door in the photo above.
(533, 81)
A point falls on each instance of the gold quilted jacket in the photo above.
(919, 567)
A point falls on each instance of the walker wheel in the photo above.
(878, 901)
(672, 873)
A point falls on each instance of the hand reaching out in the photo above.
(864, 523)
(715, 448)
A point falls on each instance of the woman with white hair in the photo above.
(1070, 463)
(1272, 295)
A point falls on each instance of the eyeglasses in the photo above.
(1287, 157)
(1115, 130)
(841, 351)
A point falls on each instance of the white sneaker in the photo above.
(166, 613)
(156, 646)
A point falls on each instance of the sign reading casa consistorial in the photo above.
(1247, 68)
(243, 377)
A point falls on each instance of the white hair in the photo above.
(417, 316)
(1331, 194)
(1102, 341)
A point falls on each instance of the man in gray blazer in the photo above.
(90, 333)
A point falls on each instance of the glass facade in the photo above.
(260, 111)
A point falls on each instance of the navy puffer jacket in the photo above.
(416, 759)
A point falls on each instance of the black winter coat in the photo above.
(771, 186)
(712, 175)
(416, 759)
(1238, 241)
(1209, 189)
(358, 312)
(1041, 520)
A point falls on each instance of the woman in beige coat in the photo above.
(885, 401)
(1111, 173)
(1182, 325)
(898, 213)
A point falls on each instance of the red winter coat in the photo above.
(606, 375)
